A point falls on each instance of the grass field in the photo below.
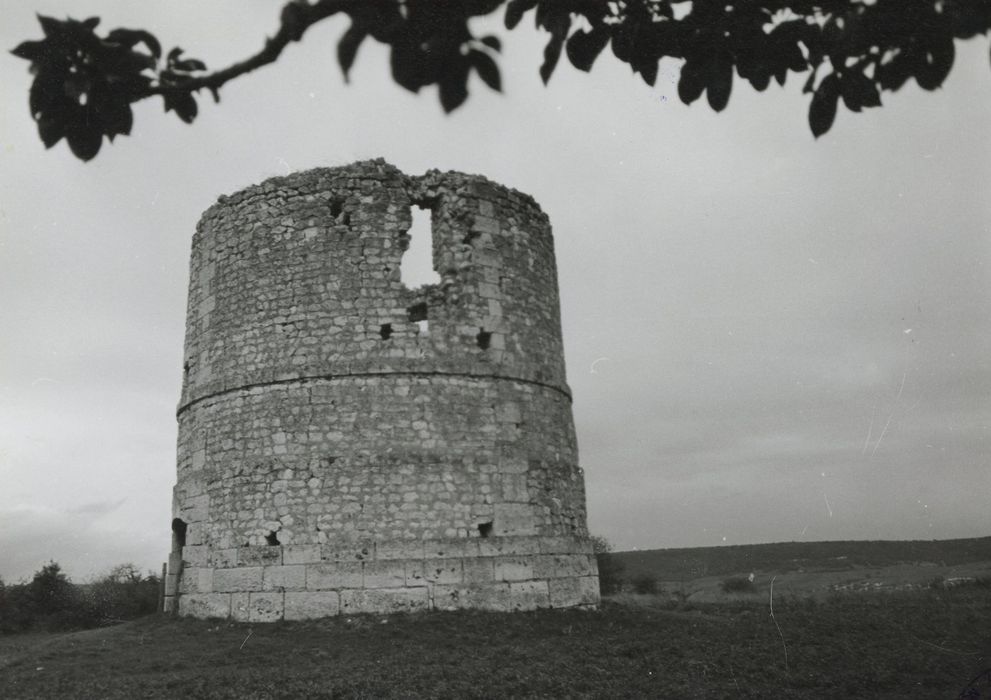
(901, 644)
(811, 569)
(783, 557)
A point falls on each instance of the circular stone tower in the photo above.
(347, 444)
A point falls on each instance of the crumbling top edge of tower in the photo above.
(377, 168)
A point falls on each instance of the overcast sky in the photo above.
(769, 338)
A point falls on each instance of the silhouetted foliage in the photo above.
(851, 50)
(123, 594)
(50, 601)
(55, 602)
(610, 570)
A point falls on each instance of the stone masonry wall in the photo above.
(347, 444)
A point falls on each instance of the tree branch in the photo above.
(297, 16)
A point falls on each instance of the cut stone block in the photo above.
(445, 549)
(198, 555)
(301, 554)
(418, 573)
(384, 600)
(196, 580)
(561, 565)
(223, 558)
(564, 545)
(508, 546)
(205, 605)
(513, 569)
(568, 592)
(308, 605)
(240, 606)
(493, 596)
(321, 577)
(529, 595)
(347, 553)
(384, 574)
(259, 556)
(401, 549)
(480, 570)
(284, 577)
(266, 606)
(234, 580)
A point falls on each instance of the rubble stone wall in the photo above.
(347, 444)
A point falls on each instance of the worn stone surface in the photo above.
(346, 442)
(307, 605)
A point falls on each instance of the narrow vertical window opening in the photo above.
(417, 266)
(485, 529)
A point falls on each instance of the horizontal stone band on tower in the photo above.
(349, 444)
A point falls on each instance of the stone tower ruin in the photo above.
(347, 444)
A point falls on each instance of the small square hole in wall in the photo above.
(271, 539)
(338, 214)
(483, 338)
(417, 312)
(485, 529)
(385, 331)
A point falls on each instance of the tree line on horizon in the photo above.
(51, 602)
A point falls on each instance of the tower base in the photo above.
(297, 582)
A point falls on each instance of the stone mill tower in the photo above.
(347, 444)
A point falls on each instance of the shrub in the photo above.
(610, 570)
(738, 584)
(52, 602)
(123, 594)
(645, 583)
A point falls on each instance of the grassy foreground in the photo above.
(928, 644)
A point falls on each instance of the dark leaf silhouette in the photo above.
(132, 37)
(865, 48)
(858, 91)
(487, 69)
(184, 105)
(552, 52)
(822, 110)
(720, 82)
(515, 11)
(454, 86)
(347, 47)
(84, 138)
(584, 47)
(492, 42)
(935, 63)
(691, 84)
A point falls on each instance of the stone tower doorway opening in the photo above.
(178, 534)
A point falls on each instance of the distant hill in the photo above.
(695, 562)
